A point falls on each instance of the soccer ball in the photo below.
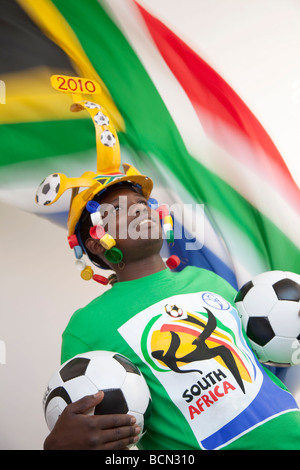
(91, 105)
(125, 389)
(101, 119)
(107, 138)
(269, 307)
(47, 190)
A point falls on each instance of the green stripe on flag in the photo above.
(36, 140)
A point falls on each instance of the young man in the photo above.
(181, 329)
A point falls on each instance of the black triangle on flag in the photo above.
(103, 180)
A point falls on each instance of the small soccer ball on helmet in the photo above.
(48, 190)
(269, 306)
(107, 138)
(125, 389)
(91, 105)
(101, 119)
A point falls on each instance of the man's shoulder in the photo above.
(206, 280)
(200, 273)
(87, 313)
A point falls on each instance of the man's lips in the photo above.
(144, 221)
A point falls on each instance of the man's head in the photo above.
(128, 218)
(136, 234)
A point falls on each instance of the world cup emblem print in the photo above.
(195, 347)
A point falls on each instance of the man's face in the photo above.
(128, 218)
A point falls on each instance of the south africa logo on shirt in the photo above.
(194, 345)
(178, 339)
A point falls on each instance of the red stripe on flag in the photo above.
(221, 111)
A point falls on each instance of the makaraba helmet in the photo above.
(89, 184)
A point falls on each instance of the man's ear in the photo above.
(94, 246)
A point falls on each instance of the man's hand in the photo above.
(75, 430)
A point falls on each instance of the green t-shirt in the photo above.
(182, 331)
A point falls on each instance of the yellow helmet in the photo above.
(89, 184)
(108, 169)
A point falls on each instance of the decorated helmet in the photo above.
(108, 169)
(89, 184)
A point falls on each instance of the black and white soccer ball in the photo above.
(107, 138)
(173, 311)
(48, 190)
(91, 105)
(269, 306)
(101, 119)
(125, 389)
